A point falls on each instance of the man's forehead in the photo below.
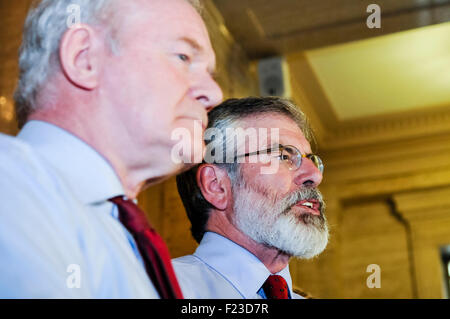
(167, 17)
(283, 123)
(280, 129)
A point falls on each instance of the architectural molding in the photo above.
(392, 185)
(425, 204)
(389, 128)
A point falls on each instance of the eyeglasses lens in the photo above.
(291, 157)
(317, 161)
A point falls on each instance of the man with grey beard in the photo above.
(251, 220)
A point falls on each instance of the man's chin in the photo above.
(306, 240)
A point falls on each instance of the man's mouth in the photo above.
(310, 205)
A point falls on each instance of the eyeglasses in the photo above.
(291, 156)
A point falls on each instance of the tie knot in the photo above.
(131, 216)
(275, 287)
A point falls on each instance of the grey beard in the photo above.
(271, 221)
(320, 221)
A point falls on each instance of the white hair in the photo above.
(271, 222)
(45, 24)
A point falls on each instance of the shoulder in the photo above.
(191, 274)
(33, 196)
(21, 171)
(13, 148)
(199, 281)
(34, 222)
(21, 165)
(189, 265)
(19, 162)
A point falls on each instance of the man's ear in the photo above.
(215, 185)
(79, 55)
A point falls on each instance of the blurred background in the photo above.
(379, 102)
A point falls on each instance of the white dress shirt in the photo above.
(221, 269)
(60, 237)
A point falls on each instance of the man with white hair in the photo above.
(248, 219)
(102, 85)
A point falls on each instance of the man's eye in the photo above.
(183, 57)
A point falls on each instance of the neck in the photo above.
(271, 257)
(130, 176)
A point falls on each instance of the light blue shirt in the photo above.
(221, 269)
(59, 235)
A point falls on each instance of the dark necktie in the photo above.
(152, 248)
(275, 287)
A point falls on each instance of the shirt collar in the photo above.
(240, 267)
(88, 173)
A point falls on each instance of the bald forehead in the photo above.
(163, 21)
(158, 15)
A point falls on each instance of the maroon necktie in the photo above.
(152, 248)
(275, 287)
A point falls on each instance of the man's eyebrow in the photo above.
(193, 43)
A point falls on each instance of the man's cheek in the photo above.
(271, 168)
(277, 184)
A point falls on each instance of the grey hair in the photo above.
(228, 115)
(45, 24)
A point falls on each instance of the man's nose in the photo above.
(208, 92)
(307, 174)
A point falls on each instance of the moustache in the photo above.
(307, 193)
